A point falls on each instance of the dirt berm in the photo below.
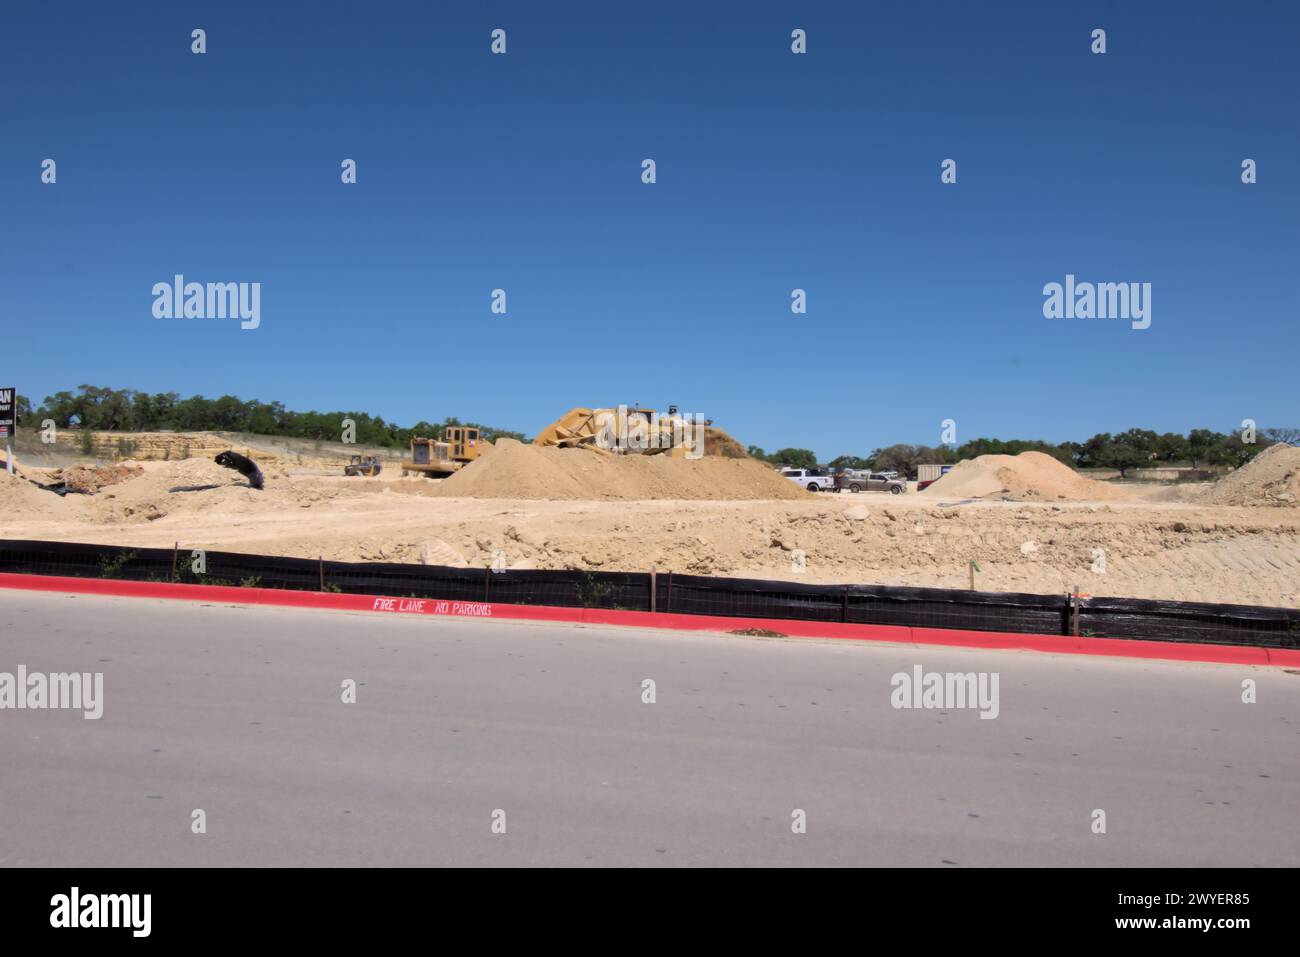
(514, 470)
(1027, 477)
(1270, 478)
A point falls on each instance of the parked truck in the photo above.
(814, 480)
(855, 480)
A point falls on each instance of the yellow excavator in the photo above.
(625, 430)
(438, 459)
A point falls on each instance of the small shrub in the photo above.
(110, 566)
(592, 593)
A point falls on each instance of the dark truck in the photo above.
(856, 480)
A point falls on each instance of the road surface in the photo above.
(238, 712)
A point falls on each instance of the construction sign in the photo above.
(8, 411)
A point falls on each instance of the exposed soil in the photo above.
(714, 516)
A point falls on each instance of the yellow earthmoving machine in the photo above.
(429, 458)
(464, 441)
(434, 459)
(619, 431)
(367, 465)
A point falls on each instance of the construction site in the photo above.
(630, 490)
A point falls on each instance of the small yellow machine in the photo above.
(366, 465)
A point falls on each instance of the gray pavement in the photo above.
(237, 711)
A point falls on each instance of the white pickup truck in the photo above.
(814, 480)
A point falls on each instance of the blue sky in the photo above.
(775, 171)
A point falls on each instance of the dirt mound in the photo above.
(1271, 478)
(22, 497)
(519, 471)
(193, 485)
(89, 479)
(1029, 476)
(718, 442)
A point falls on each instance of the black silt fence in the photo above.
(681, 594)
(1190, 621)
(864, 604)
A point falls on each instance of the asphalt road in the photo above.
(237, 711)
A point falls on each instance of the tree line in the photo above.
(1123, 451)
(99, 409)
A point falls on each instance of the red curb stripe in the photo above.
(900, 634)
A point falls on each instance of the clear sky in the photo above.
(775, 171)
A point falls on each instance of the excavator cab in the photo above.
(464, 442)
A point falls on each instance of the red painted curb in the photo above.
(901, 634)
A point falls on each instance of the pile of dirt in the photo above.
(718, 442)
(89, 479)
(190, 485)
(1029, 476)
(1271, 478)
(519, 471)
(21, 496)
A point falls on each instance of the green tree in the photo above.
(794, 458)
(1236, 453)
(1204, 447)
(982, 446)
(103, 409)
(1129, 450)
(900, 458)
(850, 462)
(1071, 453)
(1172, 447)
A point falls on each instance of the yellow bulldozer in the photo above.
(623, 430)
(432, 458)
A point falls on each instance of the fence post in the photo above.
(670, 591)
(320, 559)
(175, 549)
(844, 606)
(487, 582)
(653, 587)
(1074, 605)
